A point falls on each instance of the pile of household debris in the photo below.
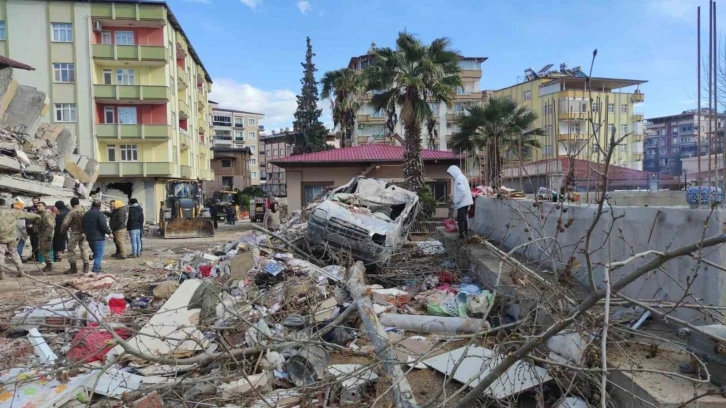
(36, 159)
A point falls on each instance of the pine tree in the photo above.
(310, 133)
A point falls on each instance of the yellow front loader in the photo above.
(182, 212)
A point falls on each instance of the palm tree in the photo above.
(345, 89)
(409, 77)
(499, 128)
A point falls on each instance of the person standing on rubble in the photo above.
(22, 230)
(9, 236)
(271, 221)
(135, 226)
(74, 222)
(96, 230)
(462, 199)
(118, 226)
(60, 239)
(45, 228)
(32, 232)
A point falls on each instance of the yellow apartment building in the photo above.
(561, 99)
(371, 125)
(124, 78)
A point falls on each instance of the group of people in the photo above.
(58, 229)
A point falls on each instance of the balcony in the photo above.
(115, 93)
(186, 171)
(638, 97)
(368, 118)
(572, 136)
(572, 115)
(183, 109)
(181, 81)
(638, 117)
(200, 106)
(637, 138)
(144, 169)
(146, 54)
(204, 152)
(133, 132)
(128, 11)
(185, 141)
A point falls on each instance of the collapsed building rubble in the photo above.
(37, 159)
(258, 321)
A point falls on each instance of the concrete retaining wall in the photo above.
(635, 229)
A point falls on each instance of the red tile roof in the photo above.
(365, 153)
(15, 64)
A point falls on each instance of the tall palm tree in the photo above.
(409, 77)
(500, 128)
(345, 89)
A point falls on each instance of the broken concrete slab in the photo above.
(244, 385)
(353, 378)
(518, 378)
(33, 188)
(25, 109)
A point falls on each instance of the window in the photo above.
(106, 37)
(124, 38)
(624, 149)
(595, 107)
(222, 120)
(527, 95)
(107, 76)
(253, 162)
(227, 181)
(62, 32)
(253, 149)
(623, 108)
(125, 76)
(129, 152)
(65, 112)
(172, 87)
(313, 192)
(623, 129)
(239, 122)
(575, 128)
(127, 115)
(239, 135)
(111, 152)
(226, 163)
(440, 190)
(251, 122)
(3, 33)
(268, 153)
(251, 135)
(64, 72)
(611, 108)
(547, 150)
(108, 114)
(548, 130)
(281, 153)
(274, 152)
(253, 174)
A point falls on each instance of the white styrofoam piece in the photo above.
(519, 377)
(41, 347)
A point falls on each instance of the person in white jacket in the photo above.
(462, 199)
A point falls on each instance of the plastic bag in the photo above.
(442, 303)
(450, 225)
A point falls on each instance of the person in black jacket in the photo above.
(60, 240)
(213, 211)
(135, 226)
(117, 222)
(96, 230)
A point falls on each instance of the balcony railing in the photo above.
(144, 132)
(186, 171)
(183, 109)
(572, 136)
(142, 53)
(185, 141)
(181, 81)
(638, 97)
(127, 11)
(131, 92)
(638, 117)
(144, 169)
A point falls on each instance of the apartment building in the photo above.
(671, 138)
(371, 125)
(124, 78)
(273, 147)
(562, 101)
(234, 128)
(231, 169)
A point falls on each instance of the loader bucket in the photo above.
(198, 227)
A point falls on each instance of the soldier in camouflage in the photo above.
(74, 222)
(9, 236)
(45, 228)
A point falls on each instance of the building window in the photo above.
(129, 152)
(3, 32)
(313, 192)
(125, 76)
(253, 149)
(239, 135)
(127, 115)
(595, 107)
(107, 76)
(226, 163)
(251, 122)
(547, 151)
(281, 153)
(108, 114)
(106, 37)
(222, 120)
(64, 72)
(253, 174)
(289, 150)
(623, 129)
(623, 108)
(527, 95)
(124, 38)
(253, 162)
(575, 128)
(227, 181)
(239, 122)
(111, 152)
(62, 32)
(611, 108)
(440, 190)
(268, 153)
(624, 149)
(65, 112)
(251, 135)
(611, 129)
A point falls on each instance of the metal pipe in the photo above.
(698, 139)
(710, 90)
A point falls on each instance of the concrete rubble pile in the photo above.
(36, 159)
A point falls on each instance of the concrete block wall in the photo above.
(635, 229)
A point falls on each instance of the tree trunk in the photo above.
(495, 165)
(412, 163)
